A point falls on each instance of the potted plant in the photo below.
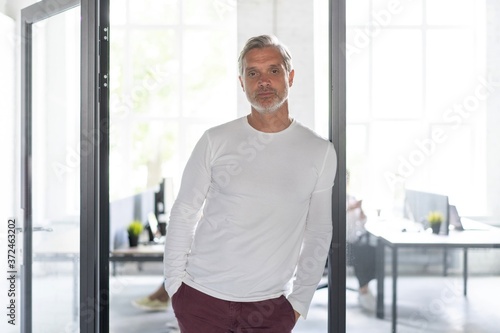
(134, 230)
(435, 219)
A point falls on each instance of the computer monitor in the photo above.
(139, 206)
(160, 199)
(152, 226)
(454, 218)
(418, 204)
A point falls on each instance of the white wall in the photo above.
(13, 7)
(493, 114)
(10, 127)
(8, 147)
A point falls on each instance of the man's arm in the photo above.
(317, 238)
(185, 214)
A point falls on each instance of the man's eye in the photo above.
(252, 74)
(275, 71)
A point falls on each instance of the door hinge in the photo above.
(103, 38)
(103, 79)
(104, 34)
(104, 75)
(103, 85)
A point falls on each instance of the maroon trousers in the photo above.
(197, 312)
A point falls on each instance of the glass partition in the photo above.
(55, 164)
(422, 90)
(173, 74)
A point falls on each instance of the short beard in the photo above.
(268, 109)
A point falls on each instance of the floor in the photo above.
(426, 304)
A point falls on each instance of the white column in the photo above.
(292, 22)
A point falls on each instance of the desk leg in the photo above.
(380, 274)
(76, 290)
(445, 262)
(465, 270)
(394, 287)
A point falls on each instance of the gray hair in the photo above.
(263, 41)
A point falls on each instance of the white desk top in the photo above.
(403, 233)
(153, 249)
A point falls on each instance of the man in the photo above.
(252, 260)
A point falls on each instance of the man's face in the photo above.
(265, 80)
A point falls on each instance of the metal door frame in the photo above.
(94, 161)
(94, 236)
(337, 255)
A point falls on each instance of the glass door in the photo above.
(51, 197)
(64, 167)
(55, 140)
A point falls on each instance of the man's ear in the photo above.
(241, 82)
(290, 77)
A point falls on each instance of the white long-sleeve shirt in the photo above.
(266, 225)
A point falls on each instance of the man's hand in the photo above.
(354, 204)
(297, 315)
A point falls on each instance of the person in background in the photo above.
(251, 261)
(360, 254)
(156, 301)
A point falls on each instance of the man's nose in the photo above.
(264, 80)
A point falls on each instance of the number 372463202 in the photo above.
(11, 245)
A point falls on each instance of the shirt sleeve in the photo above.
(317, 238)
(185, 214)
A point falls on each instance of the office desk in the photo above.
(394, 239)
(141, 253)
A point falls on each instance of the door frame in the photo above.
(94, 160)
(30, 15)
(94, 235)
(337, 112)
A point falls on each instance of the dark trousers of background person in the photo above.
(361, 256)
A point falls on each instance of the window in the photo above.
(168, 84)
(417, 88)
